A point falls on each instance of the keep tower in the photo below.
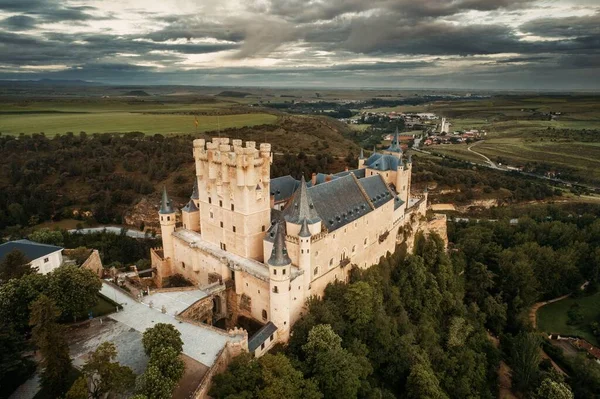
(234, 194)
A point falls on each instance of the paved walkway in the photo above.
(112, 229)
(28, 389)
(202, 344)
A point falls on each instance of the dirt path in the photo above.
(504, 378)
(489, 161)
(533, 310)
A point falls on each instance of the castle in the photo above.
(263, 246)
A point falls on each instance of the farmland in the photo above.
(59, 117)
(558, 134)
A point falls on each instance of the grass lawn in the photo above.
(66, 224)
(553, 318)
(123, 122)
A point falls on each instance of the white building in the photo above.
(42, 257)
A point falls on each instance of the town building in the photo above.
(42, 257)
(270, 244)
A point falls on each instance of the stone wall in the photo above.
(94, 263)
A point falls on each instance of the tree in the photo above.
(103, 375)
(16, 296)
(423, 383)
(554, 390)
(49, 337)
(162, 335)
(14, 265)
(75, 290)
(524, 360)
(47, 236)
(14, 367)
(164, 345)
(79, 389)
(338, 373)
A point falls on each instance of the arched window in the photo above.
(264, 314)
(275, 289)
(316, 271)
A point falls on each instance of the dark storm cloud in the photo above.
(564, 27)
(18, 22)
(300, 11)
(48, 10)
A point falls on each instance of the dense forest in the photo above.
(425, 325)
(48, 179)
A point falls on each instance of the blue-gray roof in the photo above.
(301, 207)
(190, 207)
(165, 203)
(377, 190)
(397, 202)
(32, 250)
(322, 177)
(395, 144)
(383, 162)
(279, 254)
(283, 187)
(339, 201)
(195, 193)
(261, 336)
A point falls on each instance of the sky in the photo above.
(395, 44)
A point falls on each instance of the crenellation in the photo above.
(326, 231)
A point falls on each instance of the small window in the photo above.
(275, 271)
(183, 264)
(316, 271)
(331, 262)
(283, 272)
(221, 223)
(353, 248)
(308, 251)
(232, 207)
(46, 260)
(234, 229)
(271, 337)
(301, 251)
(209, 200)
(220, 203)
(264, 315)
(262, 346)
(168, 218)
(212, 215)
(263, 228)
(365, 241)
(275, 289)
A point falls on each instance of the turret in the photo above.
(279, 270)
(361, 159)
(395, 144)
(190, 213)
(168, 220)
(301, 208)
(304, 263)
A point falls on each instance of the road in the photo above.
(489, 161)
(112, 229)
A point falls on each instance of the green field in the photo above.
(553, 318)
(123, 122)
(519, 131)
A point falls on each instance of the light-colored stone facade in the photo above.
(230, 237)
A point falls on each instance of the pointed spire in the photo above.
(300, 206)
(279, 255)
(374, 149)
(362, 154)
(165, 204)
(195, 193)
(304, 231)
(395, 145)
(190, 207)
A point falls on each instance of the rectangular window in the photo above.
(209, 200)
(234, 229)
(211, 215)
(283, 271)
(263, 228)
(262, 346)
(220, 203)
(221, 223)
(271, 338)
(232, 207)
(183, 264)
(46, 260)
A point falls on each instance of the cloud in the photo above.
(312, 42)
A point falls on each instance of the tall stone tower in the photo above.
(168, 220)
(234, 194)
(279, 270)
(361, 159)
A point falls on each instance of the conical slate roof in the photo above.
(301, 206)
(165, 204)
(304, 231)
(362, 154)
(190, 207)
(195, 194)
(395, 145)
(279, 255)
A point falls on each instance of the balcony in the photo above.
(382, 237)
(344, 262)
